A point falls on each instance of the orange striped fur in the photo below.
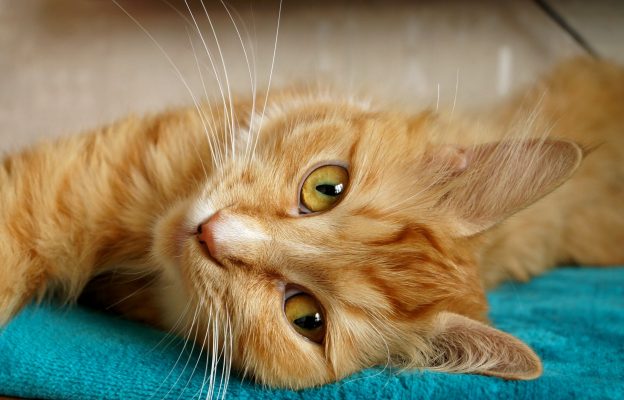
(437, 208)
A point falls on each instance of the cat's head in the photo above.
(346, 241)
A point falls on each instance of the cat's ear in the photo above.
(462, 345)
(489, 182)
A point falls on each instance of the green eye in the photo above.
(323, 188)
(305, 315)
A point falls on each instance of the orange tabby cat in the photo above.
(325, 235)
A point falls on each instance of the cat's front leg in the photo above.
(22, 277)
(27, 275)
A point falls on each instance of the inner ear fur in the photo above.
(491, 181)
(462, 345)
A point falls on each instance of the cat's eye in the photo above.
(306, 316)
(323, 188)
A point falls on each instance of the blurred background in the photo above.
(70, 65)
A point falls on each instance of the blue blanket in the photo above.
(573, 318)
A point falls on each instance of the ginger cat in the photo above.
(324, 235)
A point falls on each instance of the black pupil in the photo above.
(330, 190)
(309, 322)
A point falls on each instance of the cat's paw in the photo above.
(10, 304)
(19, 282)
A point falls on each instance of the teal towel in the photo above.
(573, 318)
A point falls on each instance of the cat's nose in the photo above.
(228, 235)
(206, 234)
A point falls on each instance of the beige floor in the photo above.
(68, 65)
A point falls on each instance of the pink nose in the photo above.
(205, 234)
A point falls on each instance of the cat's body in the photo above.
(406, 259)
(582, 221)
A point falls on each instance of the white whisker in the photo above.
(208, 354)
(230, 348)
(170, 333)
(213, 120)
(201, 349)
(178, 359)
(456, 91)
(438, 99)
(216, 75)
(214, 355)
(223, 355)
(251, 78)
(171, 62)
(227, 80)
(213, 128)
(266, 97)
(188, 359)
(134, 293)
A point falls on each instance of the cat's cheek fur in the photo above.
(171, 232)
(269, 350)
(171, 236)
(194, 290)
